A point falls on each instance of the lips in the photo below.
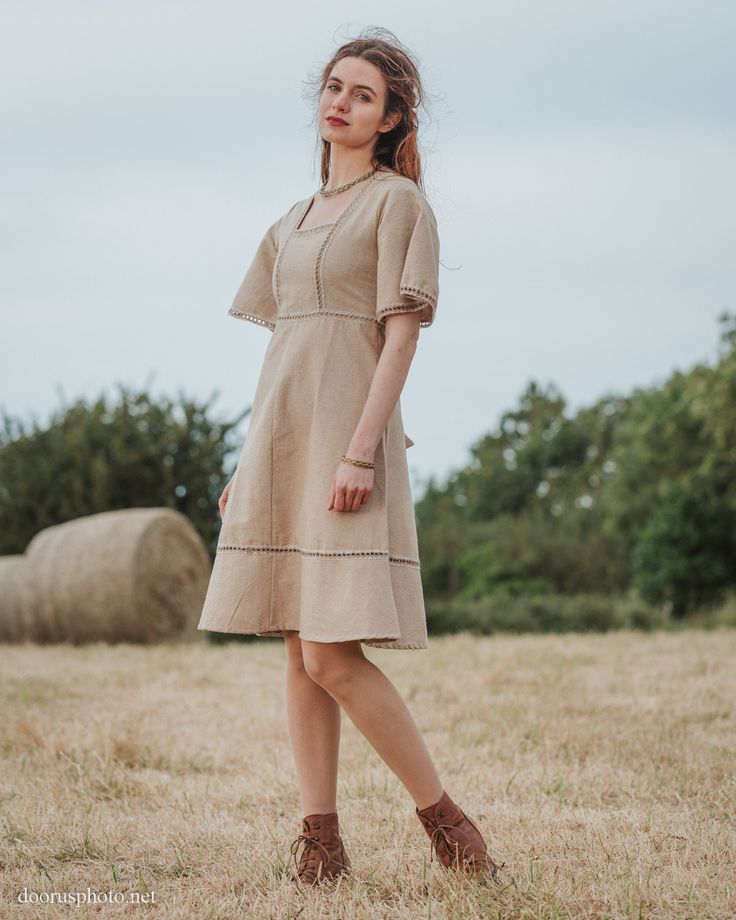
(336, 121)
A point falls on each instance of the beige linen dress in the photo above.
(283, 561)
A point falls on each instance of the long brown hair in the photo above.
(397, 149)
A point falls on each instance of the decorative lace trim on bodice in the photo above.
(302, 231)
(342, 314)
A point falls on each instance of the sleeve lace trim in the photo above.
(251, 318)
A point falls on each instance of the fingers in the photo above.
(344, 498)
(348, 499)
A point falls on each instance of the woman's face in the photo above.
(354, 94)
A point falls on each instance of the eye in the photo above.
(336, 86)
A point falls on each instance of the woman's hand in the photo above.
(223, 498)
(351, 487)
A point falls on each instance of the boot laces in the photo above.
(445, 832)
(311, 854)
(440, 833)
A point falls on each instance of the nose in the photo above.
(339, 101)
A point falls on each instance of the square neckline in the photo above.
(377, 177)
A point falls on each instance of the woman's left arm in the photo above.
(352, 485)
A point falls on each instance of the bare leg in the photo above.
(313, 719)
(376, 708)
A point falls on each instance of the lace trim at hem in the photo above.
(369, 640)
(406, 645)
(265, 548)
(276, 634)
(252, 318)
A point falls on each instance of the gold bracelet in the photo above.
(366, 464)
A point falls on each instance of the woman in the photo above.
(318, 541)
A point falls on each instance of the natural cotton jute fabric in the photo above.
(283, 561)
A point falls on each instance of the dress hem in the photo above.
(276, 634)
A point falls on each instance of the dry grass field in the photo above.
(600, 768)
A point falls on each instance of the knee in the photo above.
(331, 669)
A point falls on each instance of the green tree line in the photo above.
(633, 492)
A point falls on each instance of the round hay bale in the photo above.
(17, 599)
(134, 575)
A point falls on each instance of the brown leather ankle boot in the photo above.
(323, 856)
(456, 839)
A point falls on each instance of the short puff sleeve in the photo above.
(408, 255)
(255, 300)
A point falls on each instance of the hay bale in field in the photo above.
(17, 599)
(134, 575)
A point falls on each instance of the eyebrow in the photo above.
(357, 85)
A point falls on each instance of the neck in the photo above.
(346, 165)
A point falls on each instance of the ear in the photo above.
(390, 122)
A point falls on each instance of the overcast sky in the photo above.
(579, 159)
